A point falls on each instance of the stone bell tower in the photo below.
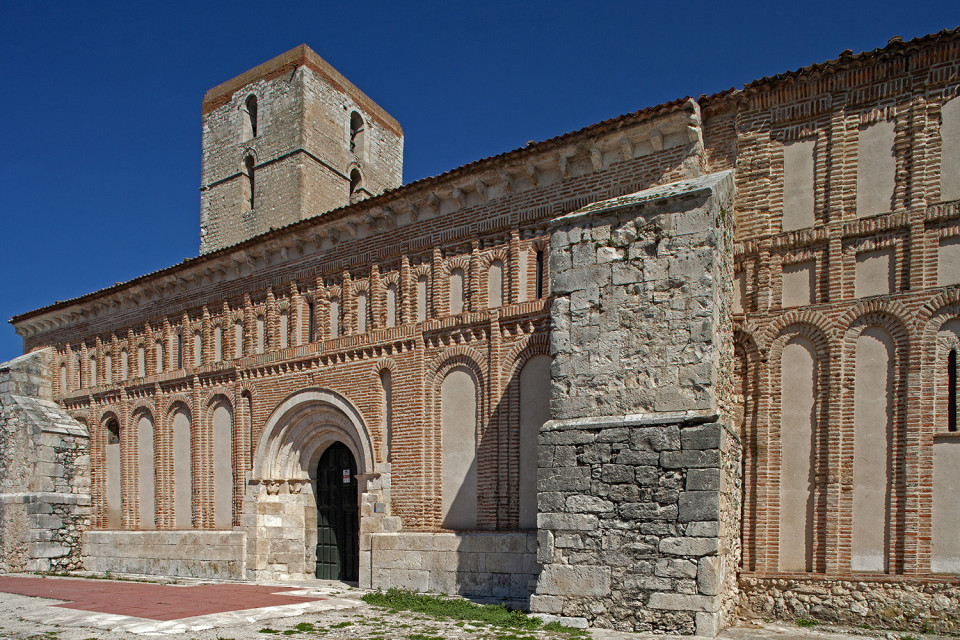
(287, 140)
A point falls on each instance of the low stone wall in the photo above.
(495, 565)
(197, 554)
(927, 606)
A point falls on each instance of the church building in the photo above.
(694, 362)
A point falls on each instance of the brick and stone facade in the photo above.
(694, 361)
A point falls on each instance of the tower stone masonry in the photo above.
(695, 362)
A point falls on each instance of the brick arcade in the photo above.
(696, 361)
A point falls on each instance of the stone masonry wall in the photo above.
(499, 565)
(217, 555)
(638, 484)
(924, 605)
(631, 534)
(44, 472)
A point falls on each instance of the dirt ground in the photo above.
(339, 615)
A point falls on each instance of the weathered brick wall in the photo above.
(468, 221)
(905, 87)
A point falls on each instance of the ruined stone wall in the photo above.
(639, 479)
(44, 472)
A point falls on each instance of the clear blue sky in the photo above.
(100, 105)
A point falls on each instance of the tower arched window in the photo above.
(356, 133)
(251, 117)
(355, 181)
(250, 186)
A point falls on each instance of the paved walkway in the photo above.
(55, 608)
(152, 601)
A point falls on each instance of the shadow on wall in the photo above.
(489, 482)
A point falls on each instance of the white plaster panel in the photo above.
(945, 553)
(876, 169)
(798, 284)
(421, 298)
(948, 261)
(392, 305)
(534, 411)
(261, 334)
(798, 375)
(362, 311)
(459, 414)
(113, 486)
(798, 185)
(739, 291)
(238, 339)
(495, 285)
(182, 474)
(222, 467)
(218, 344)
(284, 330)
(456, 291)
(874, 273)
(335, 318)
(950, 149)
(146, 471)
(872, 427)
(386, 385)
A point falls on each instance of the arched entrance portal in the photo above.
(338, 523)
(297, 476)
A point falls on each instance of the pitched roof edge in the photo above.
(301, 56)
(844, 60)
(385, 197)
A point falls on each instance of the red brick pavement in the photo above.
(153, 601)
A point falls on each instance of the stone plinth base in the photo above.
(495, 565)
(197, 554)
(927, 605)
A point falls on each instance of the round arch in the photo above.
(301, 428)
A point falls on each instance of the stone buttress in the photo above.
(639, 472)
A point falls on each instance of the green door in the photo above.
(338, 524)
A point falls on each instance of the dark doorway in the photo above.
(338, 524)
